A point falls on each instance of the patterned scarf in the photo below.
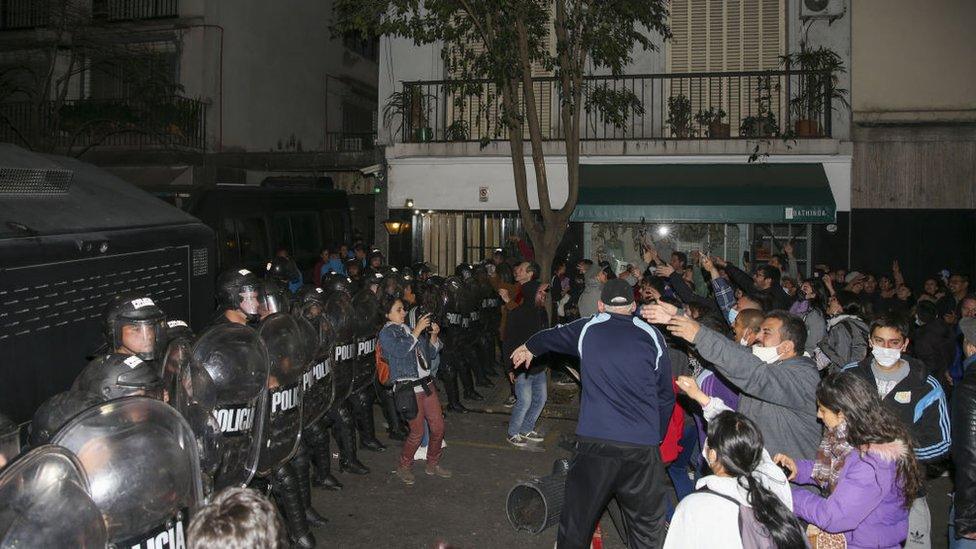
(831, 455)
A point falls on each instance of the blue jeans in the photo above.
(958, 543)
(530, 394)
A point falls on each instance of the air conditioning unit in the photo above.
(822, 9)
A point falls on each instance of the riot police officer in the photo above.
(135, 333)
(238, 297)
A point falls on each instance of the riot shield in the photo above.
(174, 361)
(143, 470)
(226, 379)
(46, 503)
(287, 357)
(368, 324)
(318, 383)
(339, 320)
(9, 441)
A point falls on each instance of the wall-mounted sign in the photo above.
(482, 194)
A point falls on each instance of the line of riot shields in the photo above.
(162, 418)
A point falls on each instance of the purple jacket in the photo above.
(714, 386)
(867, 505)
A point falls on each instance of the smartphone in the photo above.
(786, 470)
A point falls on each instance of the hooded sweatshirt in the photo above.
(591, 292)
(867, 505)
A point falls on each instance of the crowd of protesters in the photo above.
(816, 410)
(781, 411)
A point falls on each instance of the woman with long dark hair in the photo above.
(865, 465)
(743, 475)
(412, 357)
(811, 306)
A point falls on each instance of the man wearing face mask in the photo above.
(777, 384)
(908, 391)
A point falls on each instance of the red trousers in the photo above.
(428, 408)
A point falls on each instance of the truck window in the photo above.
(252, 235)
(229, 247)
(281, 231)
(306, 232)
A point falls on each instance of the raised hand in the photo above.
(658, 313)
(684, 327)
(665, 270)
(691, 388)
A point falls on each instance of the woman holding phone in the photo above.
(413, 359)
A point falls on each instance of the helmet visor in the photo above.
(143, 338)
(250, 300)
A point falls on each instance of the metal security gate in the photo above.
(445, 239)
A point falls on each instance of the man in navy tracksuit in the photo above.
(624, 411)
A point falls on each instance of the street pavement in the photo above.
(468, 510)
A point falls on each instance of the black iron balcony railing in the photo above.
(708, 105)
(350, 141)
(172, 122)
(23, 14)
(133, 10)
(30, 14)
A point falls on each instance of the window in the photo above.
(300, 232)
(726, 36)
(143, 76)
(243, 242)
(367, 47)
(769, 239)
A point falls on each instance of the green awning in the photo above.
(715, 193)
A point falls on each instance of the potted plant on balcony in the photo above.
(457, 131)
(816, 87)
(712, 119)
(763, 123)
(679, 115)
(409, 108)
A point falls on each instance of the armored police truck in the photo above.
(71, 236)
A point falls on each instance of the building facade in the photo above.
(913, 188)
(257, 90)
(774, 166)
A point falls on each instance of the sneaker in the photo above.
(510, 401)
(406, 475)
(517, 440)
(532, 436)
(438, 471)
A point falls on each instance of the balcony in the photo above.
(747, 105)
(350, 141)
(174, 122)
(134, 10)
(32, 14)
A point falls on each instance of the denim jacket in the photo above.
(397, 344)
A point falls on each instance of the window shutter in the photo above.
(725, 36)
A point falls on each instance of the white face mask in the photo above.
(744, 342)
(768, 355)
(886, 357)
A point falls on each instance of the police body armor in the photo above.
(141, 461)
(287, 357)
(338, 320)
(46, 503)
(318, 383)
(226, 379)
(368, 323)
